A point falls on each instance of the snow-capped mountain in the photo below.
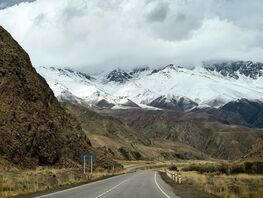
(169, 87)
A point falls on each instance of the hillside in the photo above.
(34, 128)
(215, 139)
(256, 152)
(109, 133)
(123, 142)
(179, 135)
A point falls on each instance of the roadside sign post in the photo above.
(84, 165)
(91, 165)
(90, 157)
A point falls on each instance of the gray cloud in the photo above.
(158, 10)
(184, 17)
(7, 3)
(241, 12)
(96, 35)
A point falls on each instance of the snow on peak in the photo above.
(234, 69)
(212, 85)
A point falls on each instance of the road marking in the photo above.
(111, 188)
(160, 187)
(83, 185)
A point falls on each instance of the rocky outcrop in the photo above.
(235, 68)
(119, 76)
(173, 103)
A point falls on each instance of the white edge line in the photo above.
(79, 186)
(111, 189)
(160, 187)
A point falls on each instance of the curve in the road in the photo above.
(159, 186)
(142, 184)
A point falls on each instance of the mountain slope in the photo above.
(250, 111)
(34, 128)
(123, 142)
(114, 136)
(214, 139)
(256, 153)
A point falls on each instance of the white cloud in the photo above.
(96, 35)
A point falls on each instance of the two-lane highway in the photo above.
(142, 184)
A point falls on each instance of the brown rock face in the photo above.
(34, 128)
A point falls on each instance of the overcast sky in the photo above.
(102, 34)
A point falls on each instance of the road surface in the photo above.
(141, 184)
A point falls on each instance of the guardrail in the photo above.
(175, 176)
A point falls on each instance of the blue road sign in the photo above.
(88, 157)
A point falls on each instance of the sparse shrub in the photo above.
(173, 168)
(238, 168)
(255, 167)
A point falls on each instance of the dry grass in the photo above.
(144, 165)
(238, 179)
(227, 186)
(16, 181)
(224, 167)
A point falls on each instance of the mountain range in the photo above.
(229, 92)
(170, 87)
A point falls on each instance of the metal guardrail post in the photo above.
(176, 177)
(180, 179)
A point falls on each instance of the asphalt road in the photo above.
(141, 184)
